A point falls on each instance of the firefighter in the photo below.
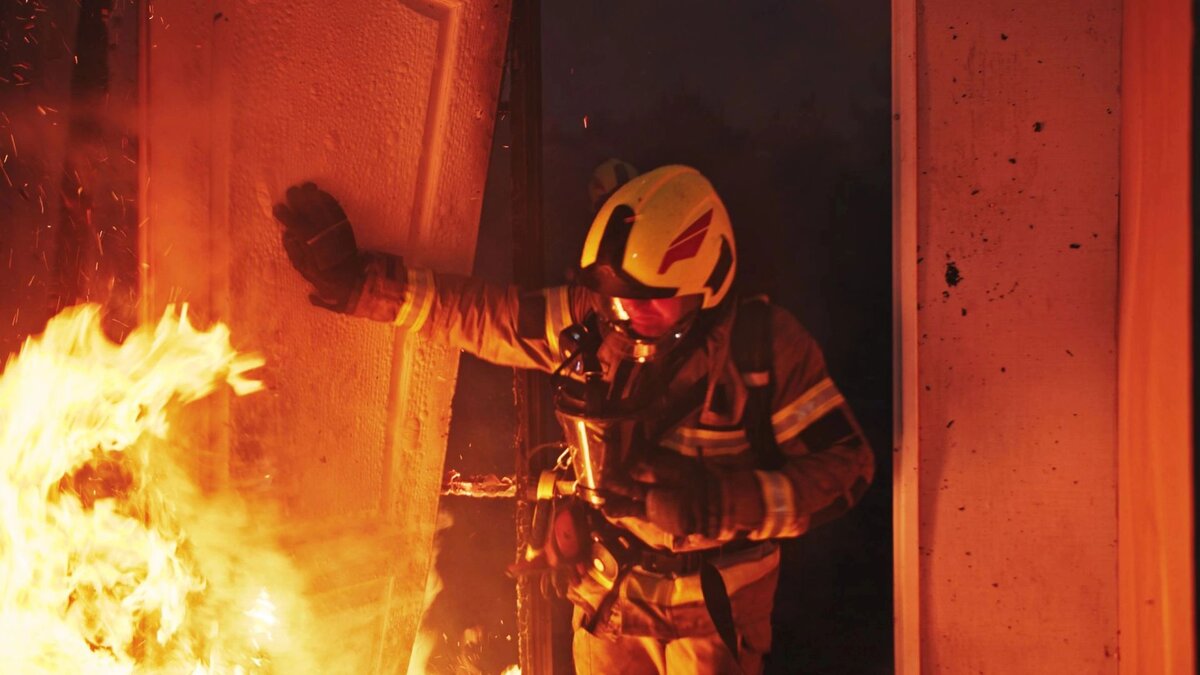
(737, 436)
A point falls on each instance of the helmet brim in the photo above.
(615, 283)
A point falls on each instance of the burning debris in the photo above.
(112, 560)
(486, 486)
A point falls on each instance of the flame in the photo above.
(427, 637)
(111, 558)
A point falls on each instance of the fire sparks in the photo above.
(111, 559)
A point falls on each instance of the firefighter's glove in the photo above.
(693, 507)
(685, 510)
(663, 466)
(320, 245)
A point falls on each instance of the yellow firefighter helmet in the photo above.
(606, 178)
(663, 234)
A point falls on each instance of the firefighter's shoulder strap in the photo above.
(751, 347)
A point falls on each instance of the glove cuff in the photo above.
(379, 294)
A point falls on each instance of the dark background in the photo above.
(785, 107)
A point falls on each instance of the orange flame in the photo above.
(111, 559)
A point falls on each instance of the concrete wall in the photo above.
(1008, 179)
(388, 105)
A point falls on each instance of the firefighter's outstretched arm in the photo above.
(497, 323)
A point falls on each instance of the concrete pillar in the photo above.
(1007, 118)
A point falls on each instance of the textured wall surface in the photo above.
(389, 106)
(1015, 189)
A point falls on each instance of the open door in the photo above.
(389, 106)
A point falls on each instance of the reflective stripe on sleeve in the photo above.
(692, 442)
(558, 316)
(779, 502)
(806, 409)
(418, 300)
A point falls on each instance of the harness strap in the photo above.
(754, 357)
(667, 412)
(720, 609)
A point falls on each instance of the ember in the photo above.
(111, 558)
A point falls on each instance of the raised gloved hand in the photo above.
(320, 245)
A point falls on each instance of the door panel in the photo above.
(389, 106)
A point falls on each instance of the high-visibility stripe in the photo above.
(418, 300)
(788, 422)
(558, 315)
(693, 442)
(425, 303)
(806, 409)
(779, 502)
(410, 280)
(715, 437)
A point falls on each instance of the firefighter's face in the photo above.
(654, 318)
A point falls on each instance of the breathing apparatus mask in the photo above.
(621, 318)
(604, 422)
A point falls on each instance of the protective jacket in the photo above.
(827, 464)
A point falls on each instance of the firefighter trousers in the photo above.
(702, 655)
